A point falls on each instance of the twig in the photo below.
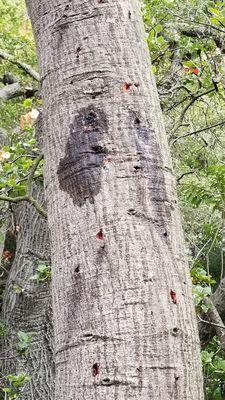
(38, 207)
(215, 321)
(197, 22)
(23, 156)
(184, 174)
(194, 97)
(198, 131)
(210, 323)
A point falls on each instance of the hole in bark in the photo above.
(95, 369)
(131, 211)
(100, 235)
(175, 331)
(137, 121)
(106, 380)
(176, 378)
(137, 167)
(78, 51)
(77, 269)
(99, 149)
(165, 234)
(129, 15)
(126, 86)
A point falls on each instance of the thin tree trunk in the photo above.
(124, 321)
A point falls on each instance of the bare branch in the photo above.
(185, 174)
(27, 68)
(198, 131)
(215, 320)
(211, 323)
(10, 91)
(189, 21)
(194, 97)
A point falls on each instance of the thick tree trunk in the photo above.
(29, 310)
(124, 321)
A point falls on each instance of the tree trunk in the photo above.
(29, 309)
(24, 304)
(124, 320)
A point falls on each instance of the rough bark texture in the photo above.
(124, 321)
(30, 310)
(218, 300)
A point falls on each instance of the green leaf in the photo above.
(158, 28)
(221, 365)
(214, 11)
(27, 103)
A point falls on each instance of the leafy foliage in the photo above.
(24, 341)
(15, 386)
(213, 359)
(43, 274)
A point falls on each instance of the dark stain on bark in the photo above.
(143, 131)
(150, 164)
(79, 172)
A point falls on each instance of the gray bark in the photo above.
(218, 300)
(117, 244)
(30, 310)
(10, 91)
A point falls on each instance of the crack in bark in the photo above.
(87, 338)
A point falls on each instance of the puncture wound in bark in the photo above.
(79, 172)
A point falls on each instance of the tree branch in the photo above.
(28, 196)
(218, 301)
(189, 21)
(27, 68)
(198, 131)
(184, 174)
(10, 91)
(215, 320)
(31, 175)
(194, 97)
(205, 33)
